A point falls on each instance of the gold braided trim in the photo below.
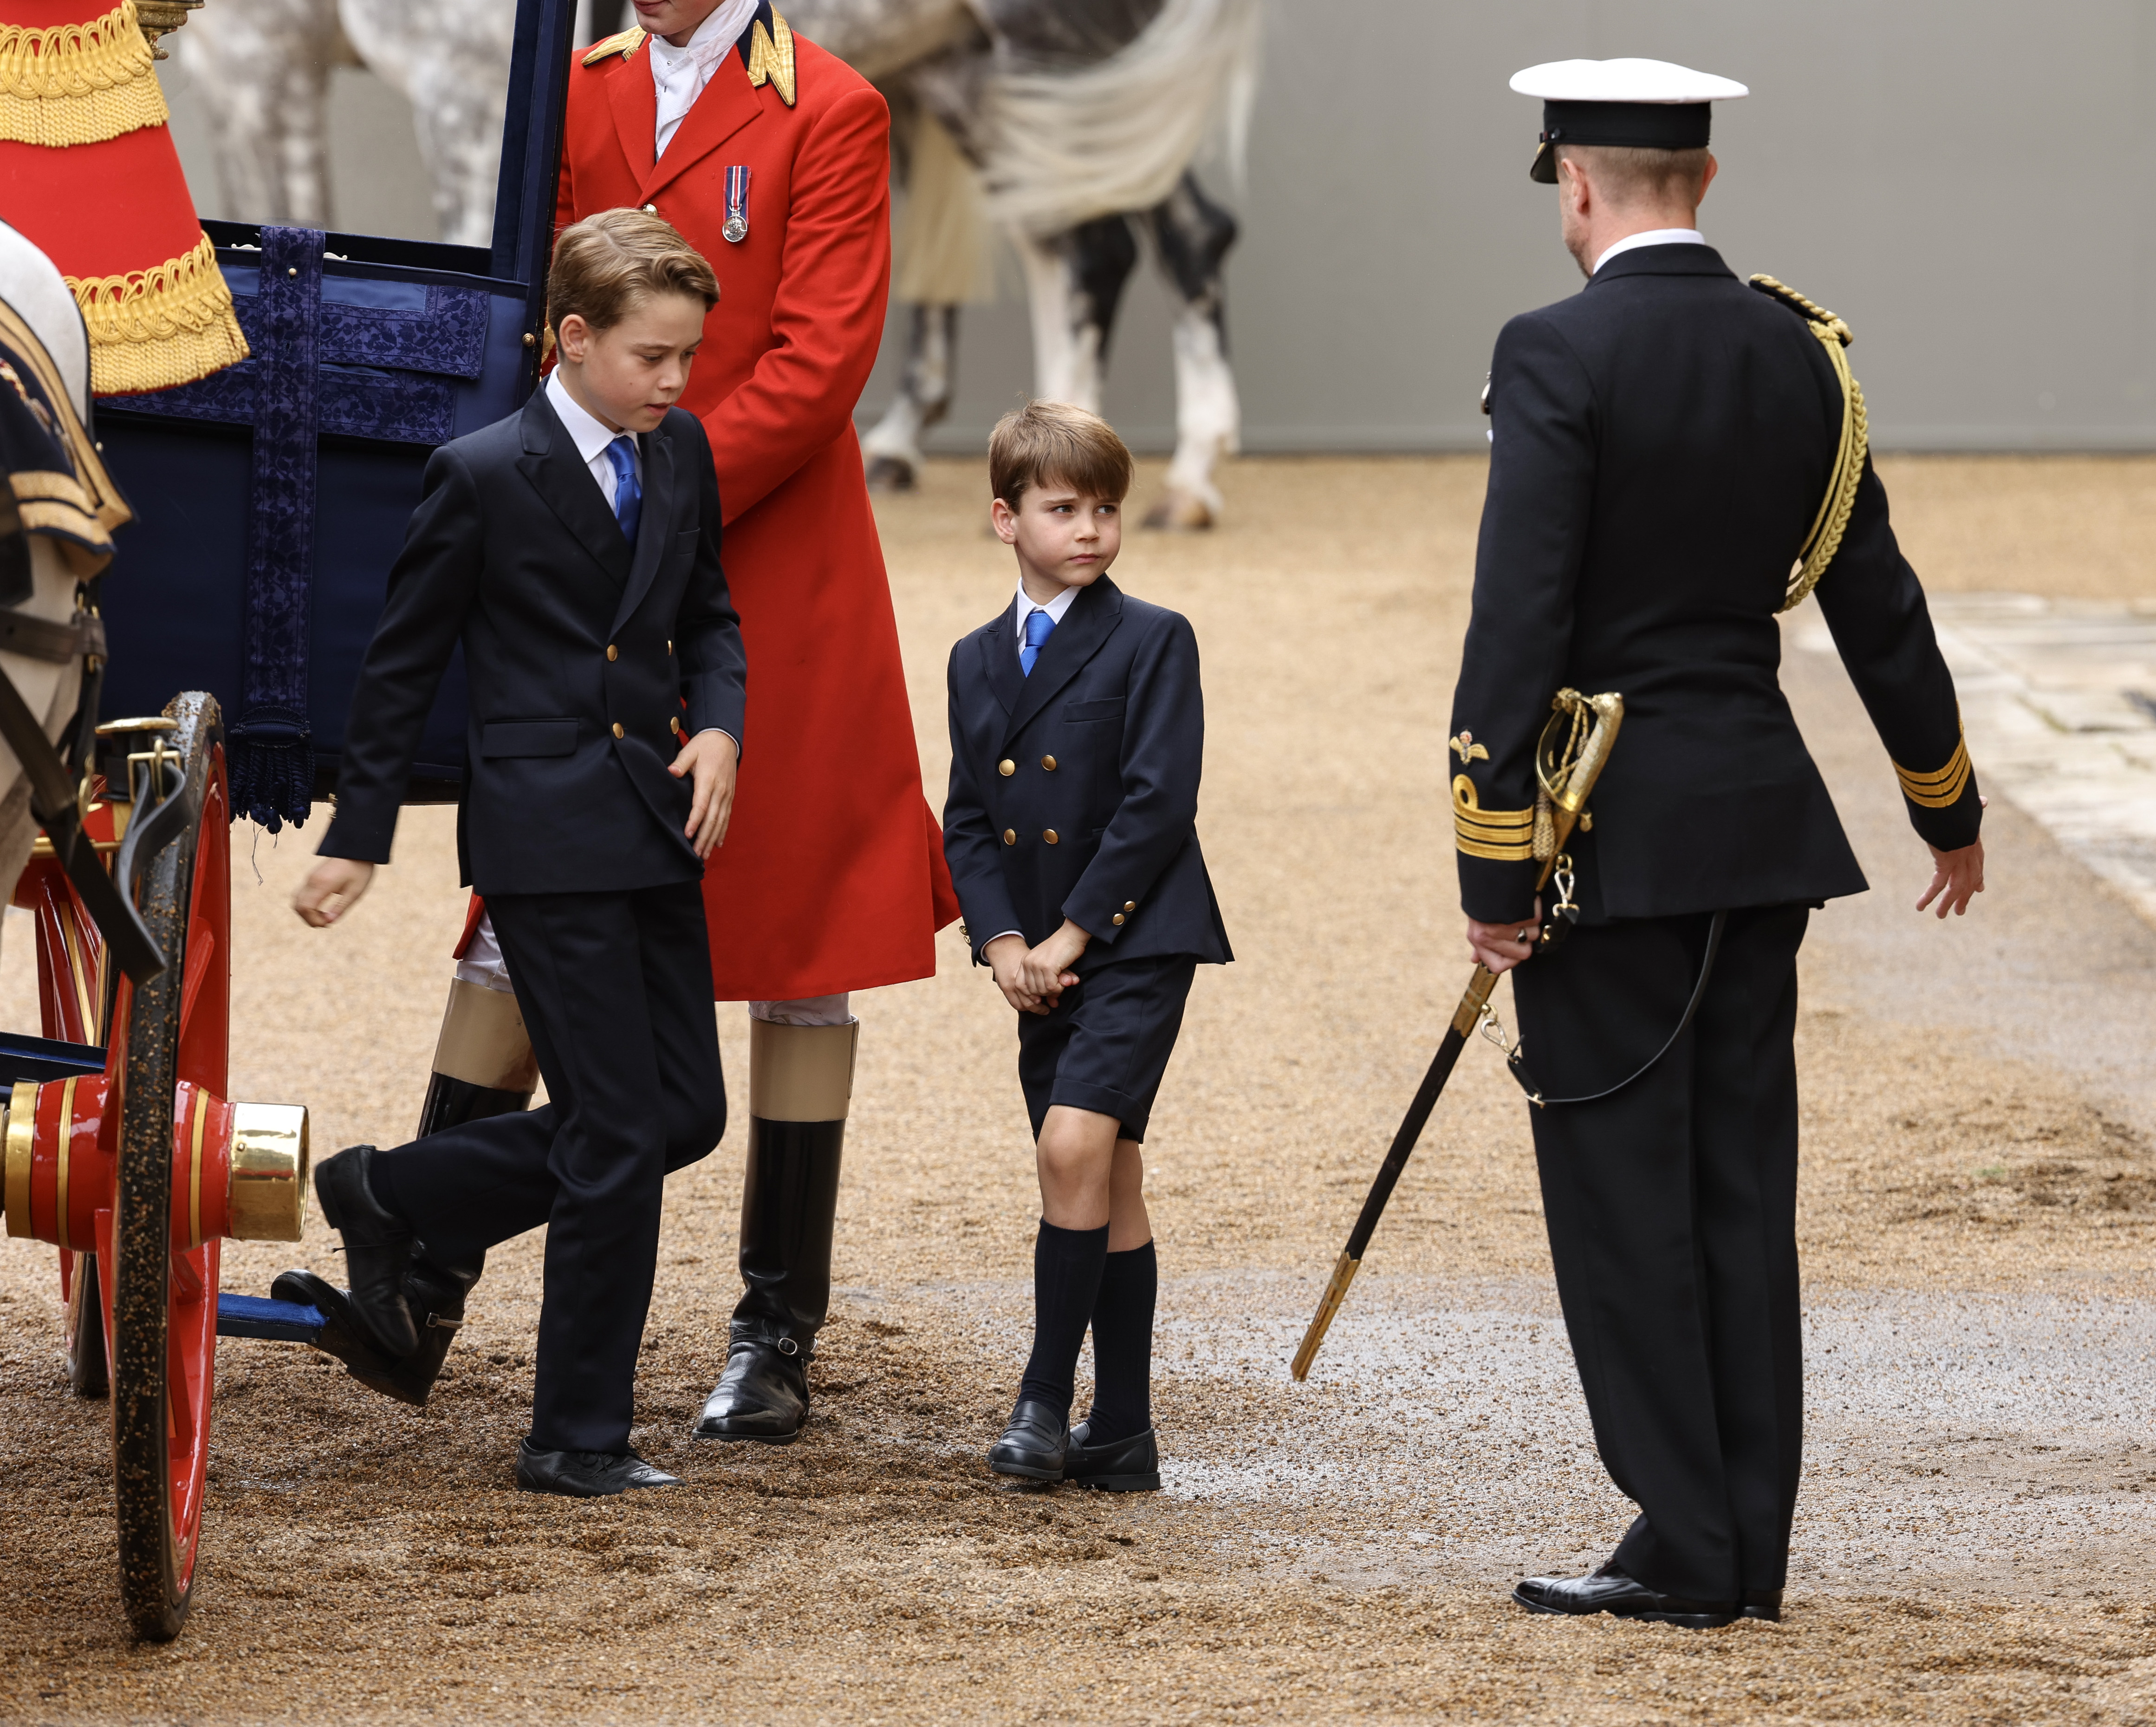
(1505, 836)
(771, 56)
(625, 43)
(99, 496)
(31, 485)
(1832, 520)
(78, 83)
(151, 329)
(1941, 789)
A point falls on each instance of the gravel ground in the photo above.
(1974, 1538)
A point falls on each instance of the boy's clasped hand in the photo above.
(1034, 978)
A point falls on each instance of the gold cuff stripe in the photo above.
(1504, 835)
(1941, 789)
(78, 83)
(31, 485)
(151, 329)
(101, 497)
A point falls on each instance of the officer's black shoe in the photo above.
(762, 1395)
(378, 1250)
(434, 1297)
(1763, 1604)
(1121, 1465)
(1607, 1590)
(1034, 1445)
(585, 1474)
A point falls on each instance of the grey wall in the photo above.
(1963, 182)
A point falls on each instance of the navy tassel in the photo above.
(271, 767)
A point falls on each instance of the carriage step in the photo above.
(285, 1322)
(24, 1057)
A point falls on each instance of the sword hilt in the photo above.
(1336, 1292)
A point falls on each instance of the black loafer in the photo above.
(434, 1300)
(1033, 1446)
(1122, 1466)
(1607, 1590)
(378, 1250)
(762, 1395)
(585, 1474)
(1762, 1604)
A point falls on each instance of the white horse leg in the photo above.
(1075, 281)
(1193, 234)
(263, 67)
(893, 445)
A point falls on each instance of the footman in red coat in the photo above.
(773, 158)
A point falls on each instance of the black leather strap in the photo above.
(41, 638)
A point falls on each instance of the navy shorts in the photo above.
(1104, 1044)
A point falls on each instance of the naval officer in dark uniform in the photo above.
(1677, 455)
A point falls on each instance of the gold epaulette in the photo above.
(1832, 520)
(770, 57)
(1504, 835)
(1941, 789)
(623, 43)
(78, 83)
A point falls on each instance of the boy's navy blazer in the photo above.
(580, 652)
(1073, 792)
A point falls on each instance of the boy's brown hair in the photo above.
(1053, 440)
(607, 265)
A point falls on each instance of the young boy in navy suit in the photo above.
(1077, 734)
(573, 550)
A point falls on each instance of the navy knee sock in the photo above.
(1123, 1347)
(1066, 1281)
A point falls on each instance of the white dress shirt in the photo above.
(589, 435)
(1653, 236)
(1027, 606)
(678, 75)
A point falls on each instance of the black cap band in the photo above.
(1637, 126)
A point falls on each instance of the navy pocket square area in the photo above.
(528, 737)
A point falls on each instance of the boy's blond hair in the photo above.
(1053, 440)
(607, 265)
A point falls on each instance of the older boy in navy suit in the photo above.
(573, 550)
(1077, 734)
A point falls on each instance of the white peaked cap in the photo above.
(1623, 81)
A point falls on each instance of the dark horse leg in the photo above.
(1193, 234)
(892, 447)
(1075, 281)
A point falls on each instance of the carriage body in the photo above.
(270, 501)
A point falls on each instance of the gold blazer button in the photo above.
(1050, 837)
(1117, 918)
(1006, 767)
(1010, 836)
(613, 652)
(1049, 763)
(1130, 905)
(617, 732)
(675, 726)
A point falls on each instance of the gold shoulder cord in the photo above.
(1828, 527)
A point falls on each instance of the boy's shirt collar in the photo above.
(1027, 605)
(589, 434)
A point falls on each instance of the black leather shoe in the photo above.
(585, 1474)
(378, 1250)
(1123, 1466)
(762, 1395)
(1033, 1446)
(434, 1299)
(1762, 1604)
(1607, 1590)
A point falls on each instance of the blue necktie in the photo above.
(1038, 627)
(628, 494)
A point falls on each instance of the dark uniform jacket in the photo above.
(580, 652)
(1073, 792)
(1661, 445)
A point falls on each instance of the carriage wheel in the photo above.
(87, 1372)
(163, 1299)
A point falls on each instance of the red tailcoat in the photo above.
(832, 876)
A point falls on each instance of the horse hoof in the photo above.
(891, 473)
(1180, 511)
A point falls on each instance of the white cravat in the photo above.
(1653, 236)
(678, 75)
(1027, 605)
(589, 435)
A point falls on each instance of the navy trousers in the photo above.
(616, 992)
(1672, 1210)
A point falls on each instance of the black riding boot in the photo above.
(482, 1060)
(800, 1081)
